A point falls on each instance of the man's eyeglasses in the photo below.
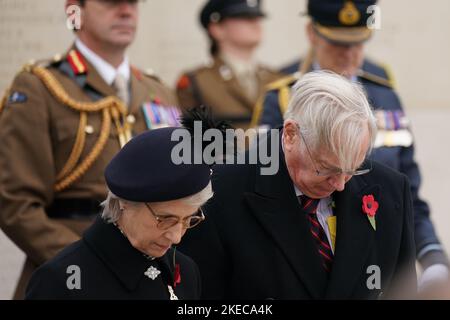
(166, 222)
(365, 168)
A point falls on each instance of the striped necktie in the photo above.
(310, 207)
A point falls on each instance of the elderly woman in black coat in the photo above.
(128, 252)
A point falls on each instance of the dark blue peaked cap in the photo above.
(342, 21)
(340, 13)
(143, 170)
(217, 10)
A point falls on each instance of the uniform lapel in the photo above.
(138, 90)
(94, 80)
(97, 87)
(138, 93)
(263, 78)
(354, 238)
(275, 205)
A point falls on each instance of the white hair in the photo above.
(111, 206)
(332, 113)
(200, 198)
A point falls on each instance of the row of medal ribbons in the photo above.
(158, 116)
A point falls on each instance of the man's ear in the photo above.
(290, 134)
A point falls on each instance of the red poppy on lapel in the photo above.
(370, 207)
(177, 275)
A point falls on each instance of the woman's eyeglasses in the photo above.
(166, 222)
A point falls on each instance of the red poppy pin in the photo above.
(370, 207)
(183, 82)
(177, 275)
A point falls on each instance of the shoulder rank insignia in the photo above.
(77, 62)
(149, 73)
(57, 58)
(17, 97)
(374, 78)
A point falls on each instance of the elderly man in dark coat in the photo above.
(327, 225)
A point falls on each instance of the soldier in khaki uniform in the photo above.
(61, 122)
(233, 80)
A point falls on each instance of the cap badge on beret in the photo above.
(214, 17)
(349, 15)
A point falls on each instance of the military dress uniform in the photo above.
(60, 124)
(228, 86)
(394, 145)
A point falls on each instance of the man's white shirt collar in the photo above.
(106, 71)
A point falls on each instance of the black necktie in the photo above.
(310, 207)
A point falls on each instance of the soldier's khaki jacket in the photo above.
(37, 135)
(216, 86)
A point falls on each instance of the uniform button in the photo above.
(150, 72)
(214, 17)
(89, 129)
(131, 119)
(57, 57)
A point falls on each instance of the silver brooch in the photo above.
(152, 273)
(172, 293)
